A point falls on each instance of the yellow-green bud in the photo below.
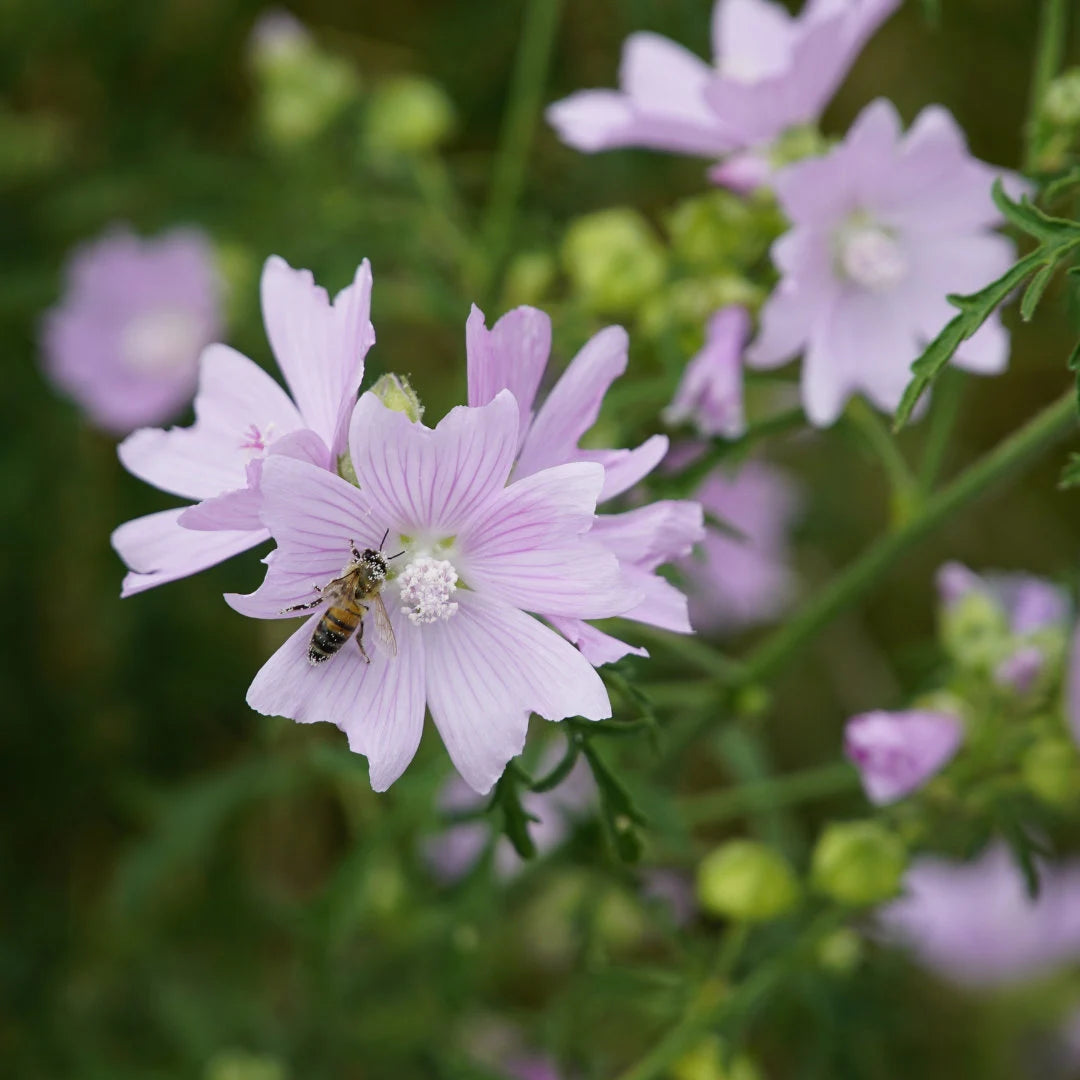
(614, 260)
(1061, 105)
(840, 952)
(528, 278)
(747, 881)
(795, 144)
(975, 631)
(858, 863)
(720, 228)
(708, 1060)
(408, 115)
(686, 305)
(395, 392)
(303, 95)
(1051, 770)
(240, 1065)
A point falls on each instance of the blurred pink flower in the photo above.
(884, 227)
(771, 72)
(532, 1068)
(975, 924)
(513, 355)
(241, 416)
(736, 582)
(710, 394)
(124, 340)
(897, 752)
(471, 654)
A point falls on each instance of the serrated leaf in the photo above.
(1034, 292)
(620, 815)
(1070, 475)
(515, 817)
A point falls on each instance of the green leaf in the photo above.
(619, 813)
(515, 817)
(1058, 238)
(1070, 475)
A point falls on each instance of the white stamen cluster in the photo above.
(426, 587)
(869, 256)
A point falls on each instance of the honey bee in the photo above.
(348, 598)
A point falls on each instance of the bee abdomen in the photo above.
(335, 628)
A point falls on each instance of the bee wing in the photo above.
(384, 632)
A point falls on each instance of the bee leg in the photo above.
(360, 642)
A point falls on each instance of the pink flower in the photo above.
(975, 923)
(241, 416)
(739, 581)
(513, 355)
(125, 338)
(885, 226)
(711, 391)
(477, 554)
(897, 752)
(771, 72)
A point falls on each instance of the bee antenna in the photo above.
(383, 540)
(397, 556)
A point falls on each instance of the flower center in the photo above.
(163, 341)
(426, 587)
(870, 257)
(257, 439)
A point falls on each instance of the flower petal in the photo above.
(652, 534)
(596, 646)
(624, 468)
(490, 666)
(752, 39)
(510, 356)
(433, 481)
(379, 706)
(235, 396)
(159, 550)
(319, 346)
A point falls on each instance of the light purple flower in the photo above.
(457, 849)
(477, 555)
(1072, 687)
(884, 227)
(771, 72)
(711, 391)
(125, 338)
(513, 355)
(739, 581)
(241, 416)
(975, 923)
(897, 752)
(532, 1068)
(673, 890)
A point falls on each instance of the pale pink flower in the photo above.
(884, 227)
(124, 340)
(477, 554)
(241, 416)
(771, 72)
(710, 394)
(513, 355)
(897, 752)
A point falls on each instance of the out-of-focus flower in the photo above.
(408, 115)
(897, 752)
(738, 581)
(711, 391)
(884, 227)
(1013, 625)
(858, 862)
(242, 416)
(772, 72)
(456, 850)
(533, 1068)
(748, 881)
(477, 554)
(513, 355)
(976, 924)
(613, 260)
(1072, 688)
(124, 340)
(672, 890)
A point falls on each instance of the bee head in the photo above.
(375, 561)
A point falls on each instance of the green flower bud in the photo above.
(796, 144)
(975, 631)
(1051, 770)
(841, 952)
(858, 863)
(240, 1065)
(613, 259)
(408, 115)
(708, 1060)
(395, 392)
(303, 94)
(748, 881)
(686, 305)
(720, 229)
(528, 278)
(1061, 105)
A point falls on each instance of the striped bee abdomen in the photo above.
(335, 627)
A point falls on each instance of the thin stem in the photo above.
(943, 414)
(1043, 429)
(526, 96)
(881, 441)
(1049, 56)
(716, 807)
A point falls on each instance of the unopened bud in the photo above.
(1051, 770)
(747, 881)
(528, 279)
(858, 863)
(975, 631)
(841, 952)
(709, 1060)
(614, 260)
(408, 115)
(395, 392)
(240, 1065)
(717, 230)
(1061, 105)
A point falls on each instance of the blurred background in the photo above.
(189, 890)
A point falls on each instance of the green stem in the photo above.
(716, 807)
(882, 443)
(519, 124)
(943, 414)
(1043, 429)
(1049, 56)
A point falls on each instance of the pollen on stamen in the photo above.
(426, 587)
